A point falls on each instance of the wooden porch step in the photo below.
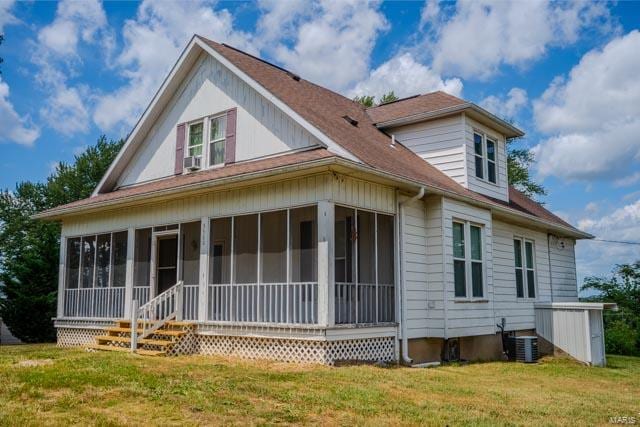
(141, 352)
(142, 341)
(180, 323)
(169, 333)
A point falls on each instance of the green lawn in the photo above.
(46, 385)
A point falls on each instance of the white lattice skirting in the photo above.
(73, 337)
(300, 351)
(248, 347)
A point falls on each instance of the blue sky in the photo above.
(566, 73)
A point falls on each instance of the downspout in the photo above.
(403, 294)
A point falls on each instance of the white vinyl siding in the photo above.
(563, 270)
(209, 88)
(518, 312)
(440, 142)
(499, 189)
(468, 316)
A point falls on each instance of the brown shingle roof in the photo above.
(326, 110)
(413, 105)
(181, 181)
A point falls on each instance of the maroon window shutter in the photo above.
(230, 137)
(180, 137)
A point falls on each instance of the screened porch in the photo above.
(258, 268)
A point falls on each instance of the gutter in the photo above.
(403, 286)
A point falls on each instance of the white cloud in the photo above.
(65, 107)
(591, 208)
(483, 35)
(506, 107)
(405, 76)
(623, 224)
(627, 180)
(593, 116)
(332, 42)
(6, 17)
(14, 127)
(430, 11)
(279, 19)
(152, 43)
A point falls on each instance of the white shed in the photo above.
(574, 327)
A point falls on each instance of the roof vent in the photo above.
(295, 77)
(351, 120)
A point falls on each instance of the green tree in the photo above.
(622, 327)
(388, 97)
(368, 101)
(519, 163)
(29, 248)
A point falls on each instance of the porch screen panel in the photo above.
(73, 263)
(219, 293)
(366, 290)
(345, 233)
(88, 260)
(386, 276)
(119, 259)
(273, 242)
(103, 260)
(245, 269)
(303, 243)
(190, 253)
(220, 259)
(142, 256)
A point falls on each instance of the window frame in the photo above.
(211, 142)
(525, 269)
(188, 138)
(469, 260)
(81, 238)
(485, 156)
(207, 142)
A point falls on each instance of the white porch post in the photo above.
(61, 273)
(204, 269)
(326, 278)
(128, 282)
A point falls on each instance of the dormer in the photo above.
(464, 141)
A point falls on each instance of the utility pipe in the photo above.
(403, 293)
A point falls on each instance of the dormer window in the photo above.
(217, 132)
(195, 139)
(485, 157)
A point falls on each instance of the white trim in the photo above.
(578, 305)
(525, 269)
(469, 261)
(177, 67)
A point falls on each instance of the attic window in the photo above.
(350, 120)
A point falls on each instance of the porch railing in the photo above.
(94, 302)
(155, 313)
(364, 303)
(293, 303)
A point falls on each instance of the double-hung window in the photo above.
(523, 251)
(484, 150)
(468, 266)
(195, 139)
(217, 132)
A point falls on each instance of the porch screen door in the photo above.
(167, 262)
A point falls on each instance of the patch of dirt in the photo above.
(35, 362)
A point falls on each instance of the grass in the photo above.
(45, 385)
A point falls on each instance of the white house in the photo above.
(254, 213)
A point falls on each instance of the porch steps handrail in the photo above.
(154, 314)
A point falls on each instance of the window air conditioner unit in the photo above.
(192, 163)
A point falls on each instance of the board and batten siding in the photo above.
(467, 317)
(440, 142)
(251, 199)
(518, 312)
(499, 190)
(209, 89)
(564, 283)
